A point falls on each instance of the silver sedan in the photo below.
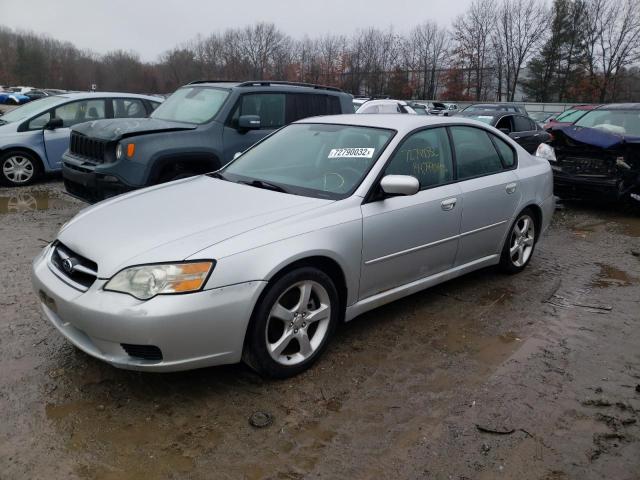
(324, 220)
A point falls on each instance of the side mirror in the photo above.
(249, 122)
(506, 131)
(54, 123)
(400, 185)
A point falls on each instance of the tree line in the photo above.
(566, 50)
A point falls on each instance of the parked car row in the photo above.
(34, 136)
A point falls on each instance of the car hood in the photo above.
(575, 136)
(173, 221)
(117, 128)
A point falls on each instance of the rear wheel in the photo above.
(18, 169)
(520, 243)
(292, 324)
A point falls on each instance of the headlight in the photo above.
(547, 152)
(119, 151)
(147, 281)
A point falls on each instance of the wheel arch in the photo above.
(537, 216)
(19, 148)
(323, 263)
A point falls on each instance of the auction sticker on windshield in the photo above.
(351, 153)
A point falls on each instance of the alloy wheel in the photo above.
(522, 241)
(298, 323)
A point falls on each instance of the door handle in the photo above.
(537, 135)
(516, 137)
(448, 204)
(511, 187)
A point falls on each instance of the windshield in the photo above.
(570, 116)
(620, 122)
(31, 108)
(191, 105)
(317, 160)
(476, 108)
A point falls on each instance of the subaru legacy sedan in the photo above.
(34, 137)
(321, 221)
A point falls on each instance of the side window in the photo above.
(505, 122)
(81, 111)
(154, 105)
(506, 152)
(425, 155)
(40, 121)
(268, 106)
(522, 124)
(475, 153)
(304, 105)
(128, 108)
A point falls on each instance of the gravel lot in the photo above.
(550, 359)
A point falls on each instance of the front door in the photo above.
(406, 238)
(56, 142)
(270, 107)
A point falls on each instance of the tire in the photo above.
(19, 168)
(520, 243)
(281, 341)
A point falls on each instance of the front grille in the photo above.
(78, 269)
(91, 148)
(588, 166)
(146, 352)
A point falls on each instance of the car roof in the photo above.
(620, 106)
(385, 101)
(262, 85)
(83, 95)
(394, 121)
(485, 113)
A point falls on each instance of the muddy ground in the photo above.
(549, 358)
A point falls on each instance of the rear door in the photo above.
(56, 141)
(270, 107)
(526, 133)
(490, 191)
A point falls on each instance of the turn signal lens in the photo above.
(131, 149)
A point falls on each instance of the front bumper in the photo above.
(82, 181)
(569, 185)
(191, 330)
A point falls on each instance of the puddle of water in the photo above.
(30, 202)
(611, 277)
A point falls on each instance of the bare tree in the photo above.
(613, 40)
(521, 26)
(472, 33)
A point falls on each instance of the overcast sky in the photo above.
(150, 27)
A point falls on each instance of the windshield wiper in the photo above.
(265, 185)
(218, 175)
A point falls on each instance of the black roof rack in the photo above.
(266, 83)
(195, 82)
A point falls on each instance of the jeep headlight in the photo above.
(147, 281)
(547, 152)
(119, 151)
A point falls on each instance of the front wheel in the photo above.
(520, 243)
(292, 324)
(18, 169)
